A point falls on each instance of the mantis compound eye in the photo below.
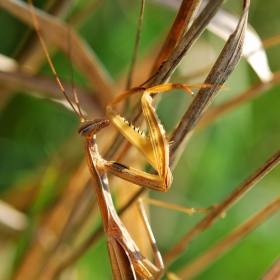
(88, 128)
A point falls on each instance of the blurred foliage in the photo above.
(33, 131)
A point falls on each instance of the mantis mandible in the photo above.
(126, 260)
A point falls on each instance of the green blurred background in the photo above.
(34, 131)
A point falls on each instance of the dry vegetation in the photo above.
(49, 221)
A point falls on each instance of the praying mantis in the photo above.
(127, 262)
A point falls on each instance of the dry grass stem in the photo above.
(223, 207)
(136, 48)
(274, 272)
(248, 95)
(84, 57)
(52, 226)
(220, 72)
(184, 17)
(48, 89)
(202, 262)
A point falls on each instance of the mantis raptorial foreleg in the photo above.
(154, 147)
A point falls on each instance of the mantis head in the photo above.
(90, 128)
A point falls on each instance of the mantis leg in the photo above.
(135, 176)
(157, 255)
(154, 147)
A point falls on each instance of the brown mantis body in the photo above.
(126, 260)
